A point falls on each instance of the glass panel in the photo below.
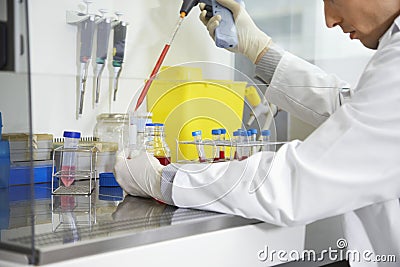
(16, 150)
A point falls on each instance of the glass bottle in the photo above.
(156, 144)
(138, 121)
(113, 127)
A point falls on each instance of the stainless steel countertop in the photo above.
(71, 226)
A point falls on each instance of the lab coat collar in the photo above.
(392, 30)
(396, 25)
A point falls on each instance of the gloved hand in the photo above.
(252, 42)
(140, 175)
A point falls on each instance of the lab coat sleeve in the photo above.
(301, 88)
(350, 161)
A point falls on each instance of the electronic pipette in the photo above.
(225, 33)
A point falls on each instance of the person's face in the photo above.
(366, 20)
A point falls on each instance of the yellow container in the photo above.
(187, 106)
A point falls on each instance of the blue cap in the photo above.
(266, 133)
(236, 133)
(242, 132)
(158, 124)
(72, 134)
(253, 131)
(249, 133)
(216, 132)
(107, 179)
(196, 133)
(223, 131)
(150, 124)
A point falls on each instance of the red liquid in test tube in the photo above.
(68, 175)
(164, 160)
(69, 157)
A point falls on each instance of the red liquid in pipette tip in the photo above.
(152, 76)
(159, 63)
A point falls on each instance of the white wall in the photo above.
(54, 58)
(336, 53)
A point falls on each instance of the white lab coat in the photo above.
(350, 165)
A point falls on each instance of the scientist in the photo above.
(349, 165)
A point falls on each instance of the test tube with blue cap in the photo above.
(216, 137)
(197, 136)
(266, 134)
(148, 136)
(253, 140)
(69, 158)
(235, 141)
(247, 148)
(222, 148)
(242, 142)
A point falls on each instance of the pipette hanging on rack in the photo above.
(86, 24)
(103, 36)
(119, 42)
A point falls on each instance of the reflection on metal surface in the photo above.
(75, 226)
(133, 215)
(68, 212)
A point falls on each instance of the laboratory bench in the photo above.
(107, 228)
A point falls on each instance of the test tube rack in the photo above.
(232, 145)
(85, 178)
